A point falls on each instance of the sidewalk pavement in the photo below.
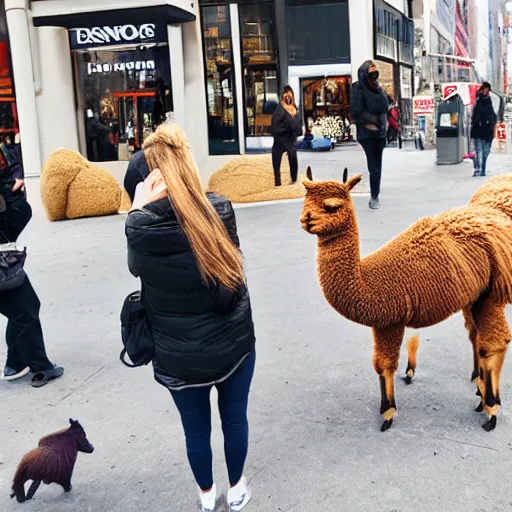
(314, 408)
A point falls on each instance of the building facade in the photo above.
(97, 77)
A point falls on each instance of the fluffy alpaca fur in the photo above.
(460, 260)
(52, 461)
(71, 188)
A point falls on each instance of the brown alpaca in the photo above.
(52, 461)
(460, 260)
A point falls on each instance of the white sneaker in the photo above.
(208, 499)
(238, 496)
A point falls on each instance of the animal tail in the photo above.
(18, 485)
(413, 344)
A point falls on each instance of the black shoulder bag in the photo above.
(136, 332)
(12, 261)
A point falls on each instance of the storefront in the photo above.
(122, 85)
(394, 55)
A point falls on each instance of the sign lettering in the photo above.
(117, 34)
(136, 65)
(424, 105)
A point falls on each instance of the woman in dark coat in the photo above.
(482, 128)
(183, 244)
(285, 128)
(368, 108)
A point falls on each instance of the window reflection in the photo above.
(220, 80)
(259, 57)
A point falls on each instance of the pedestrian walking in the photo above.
(24, 336)
(483, 122)
(183, 244)
(368, 109)
(285, 128)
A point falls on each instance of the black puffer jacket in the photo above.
(285, 128)
(368, 106)
(201, 333)
(484, 119)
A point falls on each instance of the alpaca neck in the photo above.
(341, 279)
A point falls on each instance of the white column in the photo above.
(236, 50)
(19, 37)
(426, 25)
(361, 33)
(196, 120)
(56, 102)
(177, 72)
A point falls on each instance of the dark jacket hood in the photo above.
(362, 72)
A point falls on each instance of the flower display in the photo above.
(332, 127)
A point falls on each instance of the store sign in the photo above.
(424, 105)
(465, 90)
(136, 65)
(120, 34)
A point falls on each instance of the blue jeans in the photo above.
(194, 407)
(482, 151)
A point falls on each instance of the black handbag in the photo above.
(136, 332)
(12, 261)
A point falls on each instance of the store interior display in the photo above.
(125, 93)
(259, 58)
(220, 80)
(326, 104)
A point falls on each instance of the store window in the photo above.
(326, 106)
(220, 81)
(259, 56)
(318, 31)
(124, 91)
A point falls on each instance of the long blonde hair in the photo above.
(217, 257)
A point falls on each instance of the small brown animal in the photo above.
(52, 461)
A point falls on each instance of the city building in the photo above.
(98, 76)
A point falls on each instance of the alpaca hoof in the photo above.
(408, 380)
(478, 393)
(480, 408)
(474, 376)
(386, 425)
(491, 424)
(69, 488)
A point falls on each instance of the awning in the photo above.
(162, 14)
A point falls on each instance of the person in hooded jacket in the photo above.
(368, 108)
(285, 128)
(484, 120)
(184, 246)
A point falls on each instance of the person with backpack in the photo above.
(483, 122)
(368, 109)
(26, 350)
(184, 246)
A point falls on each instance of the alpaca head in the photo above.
(78, 433)
(327, 206)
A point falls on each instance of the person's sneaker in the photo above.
(374, 203)
(11, 374)
(476, 174)
(208, 499)
(238, 496)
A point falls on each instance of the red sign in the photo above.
(466, 91)
(424, 105)
(501, 132)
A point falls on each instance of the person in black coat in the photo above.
(368, 108)
(184, 246)
(24, 336)
(484, 120)
(285, 128)
(136, 173)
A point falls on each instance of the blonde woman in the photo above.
(183, 244)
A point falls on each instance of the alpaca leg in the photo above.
(412, 350)
(470, 324)
(386, 356)
(493, 338)
(33, 488)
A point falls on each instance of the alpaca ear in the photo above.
(72, 422)
(352, 182)
(345, 175)
(309, 173)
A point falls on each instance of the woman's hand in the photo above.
(153, 189)
(18, 185)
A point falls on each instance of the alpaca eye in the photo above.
(332, 205)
